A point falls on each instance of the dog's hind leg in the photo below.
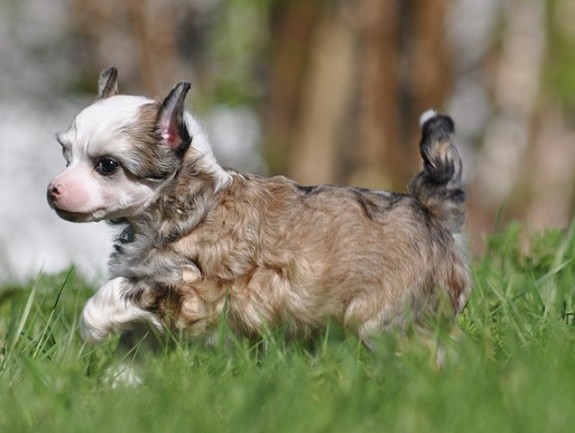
(370, 316)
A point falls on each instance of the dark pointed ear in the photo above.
(108, 83)
(171, 124)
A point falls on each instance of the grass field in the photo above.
(511, 366)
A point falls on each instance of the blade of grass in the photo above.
(24, 317)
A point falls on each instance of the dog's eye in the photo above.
(107, 166)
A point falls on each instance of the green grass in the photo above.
(511, 366)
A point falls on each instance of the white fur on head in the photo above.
(109, 311)
(80, 193)
(207, 162)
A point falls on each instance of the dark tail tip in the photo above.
(440, 157)
(439, 186)
(436, 125)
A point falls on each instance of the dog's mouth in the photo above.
(95, 215)
(75, 217)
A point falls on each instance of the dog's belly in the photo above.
(250, 304)
(364, 301)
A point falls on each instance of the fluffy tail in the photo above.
(438, 186)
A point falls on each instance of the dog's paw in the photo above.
(123, 375)
(109, 310)
(91, 329)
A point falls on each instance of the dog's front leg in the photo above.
(111, 310)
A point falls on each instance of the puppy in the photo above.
(199, 244)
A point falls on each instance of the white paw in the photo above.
(108, 311)
(124, 375)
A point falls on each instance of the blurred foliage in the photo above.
(239, 39)
(559, 75)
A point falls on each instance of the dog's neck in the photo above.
(179, 205)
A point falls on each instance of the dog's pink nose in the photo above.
(54, 191)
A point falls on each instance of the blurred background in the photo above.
(318, 90)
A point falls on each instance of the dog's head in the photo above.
(120, 150)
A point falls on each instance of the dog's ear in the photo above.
(108, 83)
(171, 124)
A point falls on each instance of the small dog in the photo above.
(198, 243)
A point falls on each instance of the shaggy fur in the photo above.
(266, 251)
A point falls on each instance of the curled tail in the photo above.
(439, 186)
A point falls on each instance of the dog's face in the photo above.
(118, 151)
